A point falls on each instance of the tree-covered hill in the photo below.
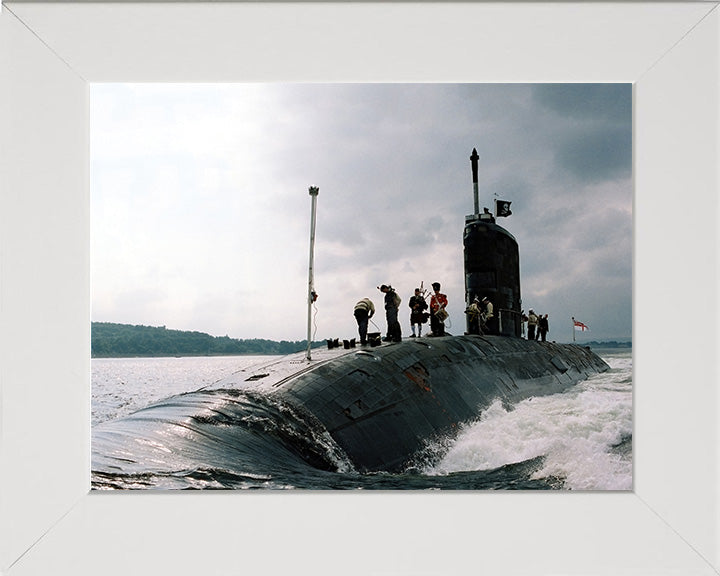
(124, 340)
(610, 344)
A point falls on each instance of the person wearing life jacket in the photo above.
(364, 310)
(438, 302)
(392, 306)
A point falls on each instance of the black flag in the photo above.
(502, 208)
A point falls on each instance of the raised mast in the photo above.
(313, 190)
(474, 163)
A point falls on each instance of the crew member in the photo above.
(489, 316)
(418, 316)
(392, 305)
(543, 327)
(364, 310)
(438, 302)
(532, 324)
(474, 315)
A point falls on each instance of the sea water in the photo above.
(580, 439)
(121, 386)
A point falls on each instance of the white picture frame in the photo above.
(50, 522)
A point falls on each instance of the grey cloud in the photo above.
(606, 102)
(593, 128)
(596, 154)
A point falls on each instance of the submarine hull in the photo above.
(388, 408)
(385, 406)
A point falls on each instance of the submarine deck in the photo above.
(384, 405)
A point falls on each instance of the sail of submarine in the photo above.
(384, 406)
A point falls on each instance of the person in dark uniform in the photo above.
(392, 306)
(543, 327)
(418, 316)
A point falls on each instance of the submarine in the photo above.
(381, 408)
(384, 406)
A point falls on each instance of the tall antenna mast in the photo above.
(313, 190)
(474, 163)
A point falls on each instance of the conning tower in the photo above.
(492, 266)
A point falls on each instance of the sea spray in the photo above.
(576, 432)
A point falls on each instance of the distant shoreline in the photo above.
(611, 344)
(112, 340)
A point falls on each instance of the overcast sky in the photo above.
(201, 212)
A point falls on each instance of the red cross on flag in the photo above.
(580, 326)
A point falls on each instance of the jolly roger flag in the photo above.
(502, 208)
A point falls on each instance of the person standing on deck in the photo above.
(475, 318)
(392, 307)
(438, 302)
(489, 315)
(532, 324)
(364, 310)
(417, 312)
(544, 327)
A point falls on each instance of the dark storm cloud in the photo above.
(596, 155)
(396, 172)
(605, 102)
(596, 122)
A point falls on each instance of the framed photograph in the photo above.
(50, 521)
(199, 228)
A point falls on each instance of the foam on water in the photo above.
(578, 433)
